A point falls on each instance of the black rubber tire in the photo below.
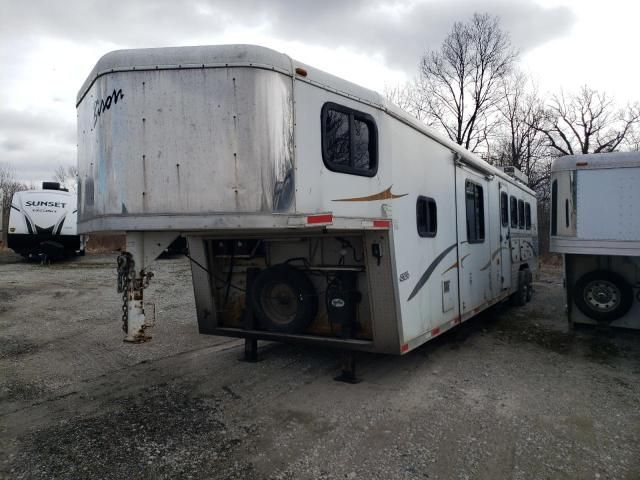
(626, 295)
(519, 297)
(302, 290)
(529, 280)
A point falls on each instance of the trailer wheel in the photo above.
(603, 296)
(529, 277)
(283, 299)
(519, 297)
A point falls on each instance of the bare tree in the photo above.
(520, 141)
(461, 82)
(67, 177)
(8, 186)
(411, 98)
(588, 122)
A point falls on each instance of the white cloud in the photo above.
(48, 48)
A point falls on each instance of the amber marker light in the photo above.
(582, 164)
(301, 71)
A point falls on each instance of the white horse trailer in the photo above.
(595, 225)
(315, 211)
(43, 223)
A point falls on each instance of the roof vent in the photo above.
(516, 174)
(53, 186)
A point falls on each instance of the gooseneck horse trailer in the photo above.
(596, 226)
(315, 211)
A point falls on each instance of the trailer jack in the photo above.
(134, 276)
(250, 350)
(348, 366)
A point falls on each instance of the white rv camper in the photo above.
(43, 223)
(596, 225)
(315, 211)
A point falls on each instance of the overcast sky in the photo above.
(47, 48)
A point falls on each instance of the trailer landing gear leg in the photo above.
(250, 350)
(348, 365)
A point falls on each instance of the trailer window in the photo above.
(527, 216)
(520, 214)
(513, 204)
(349, 141)
(426, 216)
(475, 212)
(504, 209)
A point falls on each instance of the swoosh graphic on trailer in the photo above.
(30, 225)
(58, 228)
(493, 256)
(44, 231)
(384, 195)
(531, 245)
(425, 276)
(455, 265)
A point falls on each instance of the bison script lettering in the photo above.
(32, 203)
(105, 104)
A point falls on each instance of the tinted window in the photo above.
(361, 145)
(527, 216)
(520, 214)
(426, 217)
(349, 141)
(504, 209)
(513, 203)
(337, 142)
(475, 212)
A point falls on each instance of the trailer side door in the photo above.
(505, 248)
(473, 241)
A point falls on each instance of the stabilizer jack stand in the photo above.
(137, 321)
(250, 350)
(348, 365)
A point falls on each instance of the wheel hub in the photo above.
(602, 295)
(279, 302)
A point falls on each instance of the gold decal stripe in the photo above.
(385, 195)
(455, 265)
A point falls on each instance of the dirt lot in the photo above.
(510, 394)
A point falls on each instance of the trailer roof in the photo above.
(47, 191)
(168, 58)
(595, 161)
(212, 56)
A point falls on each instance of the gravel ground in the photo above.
(509, 394)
